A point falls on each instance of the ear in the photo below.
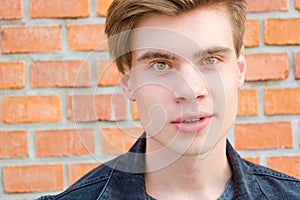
(124, 83)
(242, 67)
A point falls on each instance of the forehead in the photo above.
(186, 33)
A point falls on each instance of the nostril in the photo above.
(202, 96)
(179, 99)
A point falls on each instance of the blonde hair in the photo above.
(124, 15)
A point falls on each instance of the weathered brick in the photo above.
(77, 170)
(248, 102)
(18, 109)
(12, 74)
(59, 9)
(12, 9)
(108, 73)
(25, 39)
(102, 6)
(67, 142)
(282, 31)
(267, 66)
(267, 5)
(252, 33)
(297, 65)
(282, 101)
(286, 164)
(116, 140)
(33, 178)
(13, 144)
(87, 37)
(267, 135)
(297, 4)
(61, 73)
(104, 107)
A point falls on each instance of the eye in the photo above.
(160, 66)
(211, 61)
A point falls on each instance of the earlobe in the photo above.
(242, 67)
(124, 83)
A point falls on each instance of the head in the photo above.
(124, 16)
(184, 64)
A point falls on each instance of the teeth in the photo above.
(191, 120)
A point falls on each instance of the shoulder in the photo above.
(89, 186)
(273, 183)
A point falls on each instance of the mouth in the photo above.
(192, 123)
(192, 120)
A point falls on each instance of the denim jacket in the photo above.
(123, 178)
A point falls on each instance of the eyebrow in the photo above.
(156, 54)
(212, 50)
(169, 56)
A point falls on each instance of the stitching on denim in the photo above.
(274, 174)
(109, 179)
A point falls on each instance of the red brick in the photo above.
(282, 101)
(267, 5)
(77, 170)
(18, 109)
(297, 4)
(297, 65)
(252, 33)
(13, 144)
(87, 37)
(59, 9)
(11, 9)
(108, 74)
(33, 178)
(67, 142)
(104, 107)
(12, 74)
(267, 135)
(248, 102)
(253, 159)
(102, 6)
(25, 39)
(287, 164)
(282, 31)
(135, 112)
(61, 73)
(119, 140)
(267, 66)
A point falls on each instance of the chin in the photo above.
(197, 152)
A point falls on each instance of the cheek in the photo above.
(231, 92)
(153, 102)
(223, 86)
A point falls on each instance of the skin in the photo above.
(198, 75)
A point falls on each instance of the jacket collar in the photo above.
(244, 182)
(128, 170)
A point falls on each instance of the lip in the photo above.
(192, 127)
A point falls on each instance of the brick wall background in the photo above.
(56, 117)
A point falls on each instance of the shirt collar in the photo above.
(129, 169)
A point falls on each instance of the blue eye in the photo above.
(160, 66)
(211, 61)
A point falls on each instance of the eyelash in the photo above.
(152, 65)
(217, 60)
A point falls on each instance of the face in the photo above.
(185, 78)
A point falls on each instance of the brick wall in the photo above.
(58, 119)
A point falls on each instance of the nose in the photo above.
(191, 84)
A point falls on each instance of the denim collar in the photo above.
(128, 171)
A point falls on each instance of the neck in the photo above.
(204, 176)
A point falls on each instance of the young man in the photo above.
(182, 63)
